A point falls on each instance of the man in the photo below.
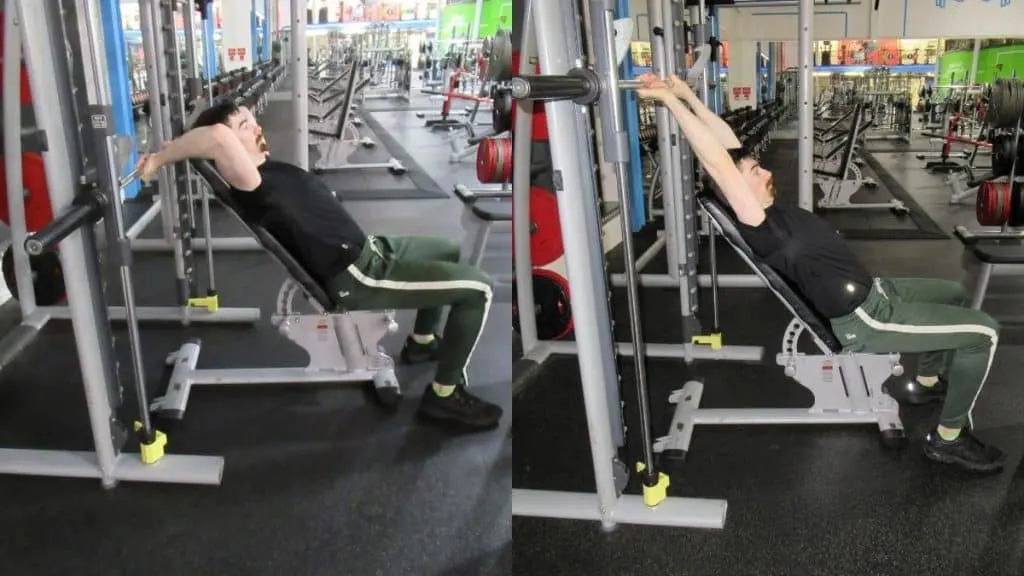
(926, 316)
(360, 272)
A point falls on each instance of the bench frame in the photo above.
(343, 347)
(848, 388)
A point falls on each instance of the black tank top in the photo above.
(305, 217)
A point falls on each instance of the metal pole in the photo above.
(478, 14)
(300, 84)
(521, 193)
(558, 51)
(12, 162)
(975, 58)
(52, 102)
(98, 89)
(158, 113)
(195, 92)
(617, 150)
(805, 143)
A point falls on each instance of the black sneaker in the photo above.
(460, 407)
(965, 451)
(415, 353)
(910, 391)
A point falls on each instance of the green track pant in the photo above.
(424, 274)
(930, 317)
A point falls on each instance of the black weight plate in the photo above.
(551, 305)
(47, 277)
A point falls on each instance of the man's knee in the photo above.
(959, 294)
(452, 250)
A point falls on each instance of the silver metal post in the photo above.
(681, 208)
(53, 103)
(558, 51)
(300, 84)
(805, 143)
(196, 83)
(699, 16)
(160, 123)
(12, 163)
(972, 76)
(474, 31)
(521, 194)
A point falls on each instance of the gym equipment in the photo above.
(41, 29)
(46, 273)
(1006, 102)
(1004, 153)
(999, 203)
(499, 62)
(175, 205)
(579, 220)
(38, 212)
(552, 308)
(545, 231)
(501, 110)
(335, 147)
(494, 160)
(847, 387)
(841, 184)
(343, 347)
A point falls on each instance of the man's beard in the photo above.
(261, 143)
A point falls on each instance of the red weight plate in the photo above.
(486, 160)
(505, 160)
(38, 212)
(545, 229)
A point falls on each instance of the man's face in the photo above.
(249, 132)
(759, 180)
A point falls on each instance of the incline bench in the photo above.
(847, 387)
(343, 347)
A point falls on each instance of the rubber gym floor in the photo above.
(317, 480)
(802, 501)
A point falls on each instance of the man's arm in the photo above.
(722, 131)
(717, 162)
(219, 145)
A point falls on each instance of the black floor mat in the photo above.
(781, 158)
(379, 184)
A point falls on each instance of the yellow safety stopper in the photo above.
(654, 495)
(210, 303)
(152, 452)
(712, 340)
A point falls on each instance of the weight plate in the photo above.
(38, 212)
(985, 203)
(47, 277)
(545, 229)
(552, 306)
(1016, 216)
(501, 110)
